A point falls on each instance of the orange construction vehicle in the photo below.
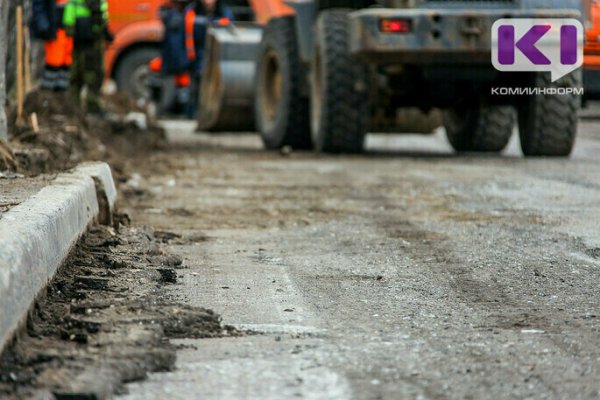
(138, 32)
(326, 72)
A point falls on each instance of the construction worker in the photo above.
(176, 53)
(182, 52)
(87, 22)
(46, 24)
(199, 15)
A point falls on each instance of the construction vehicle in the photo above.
(329, 71)
(227, 91)
(227, 97)
(138, 33)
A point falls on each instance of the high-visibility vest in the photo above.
(78, 9)
(59, 52)
(190, 45)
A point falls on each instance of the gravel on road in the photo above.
(407, 272)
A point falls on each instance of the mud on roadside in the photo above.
(56, 135)
(104, 320)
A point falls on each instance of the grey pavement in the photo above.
(407, 272)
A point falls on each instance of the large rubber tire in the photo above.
(339, 102)
(132, 72)
(548, 123)
(281, 111)
(487, 129)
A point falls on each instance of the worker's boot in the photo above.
(93, 105)
(192, 105)
(63, 79)
(49, 78)
(182, 99)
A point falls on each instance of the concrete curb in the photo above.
(37, 236)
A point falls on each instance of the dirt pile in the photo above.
(56, 135)
(105, 320)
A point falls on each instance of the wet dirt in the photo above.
(56, 135)
(105, 319)
(7, 158)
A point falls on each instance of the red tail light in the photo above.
(395, 25)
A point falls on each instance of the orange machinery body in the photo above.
(592, 46)
(136, 22)
(133, 23)
(591, 59)
(264, 10)
(267, 9)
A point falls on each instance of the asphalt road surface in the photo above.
(407, 272)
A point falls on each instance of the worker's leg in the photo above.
(193, 103)
(64, 77)
(94, 76)
(183, 82)
(77, 75)
(49, 77)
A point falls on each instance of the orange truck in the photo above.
(138, 32)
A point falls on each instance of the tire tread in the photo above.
(344, 111)
(294, 129)
(548, 123)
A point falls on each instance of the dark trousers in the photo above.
(88, 71)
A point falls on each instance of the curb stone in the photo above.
(37, 235)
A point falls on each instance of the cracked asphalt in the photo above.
(407, 272)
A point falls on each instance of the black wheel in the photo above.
(339, 102)
(132, 72)
(281, 111)
(548, 122)
(487, 129)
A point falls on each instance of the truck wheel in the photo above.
(132, 72)
(487, 129)
(339, 108)
(548, 123)
(282, 112)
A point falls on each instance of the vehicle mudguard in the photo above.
(306, 14)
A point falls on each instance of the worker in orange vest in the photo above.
(185, 24)
(47, 24)
(175, 57)
(200, 15)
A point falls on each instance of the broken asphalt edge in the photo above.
(37, 235)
